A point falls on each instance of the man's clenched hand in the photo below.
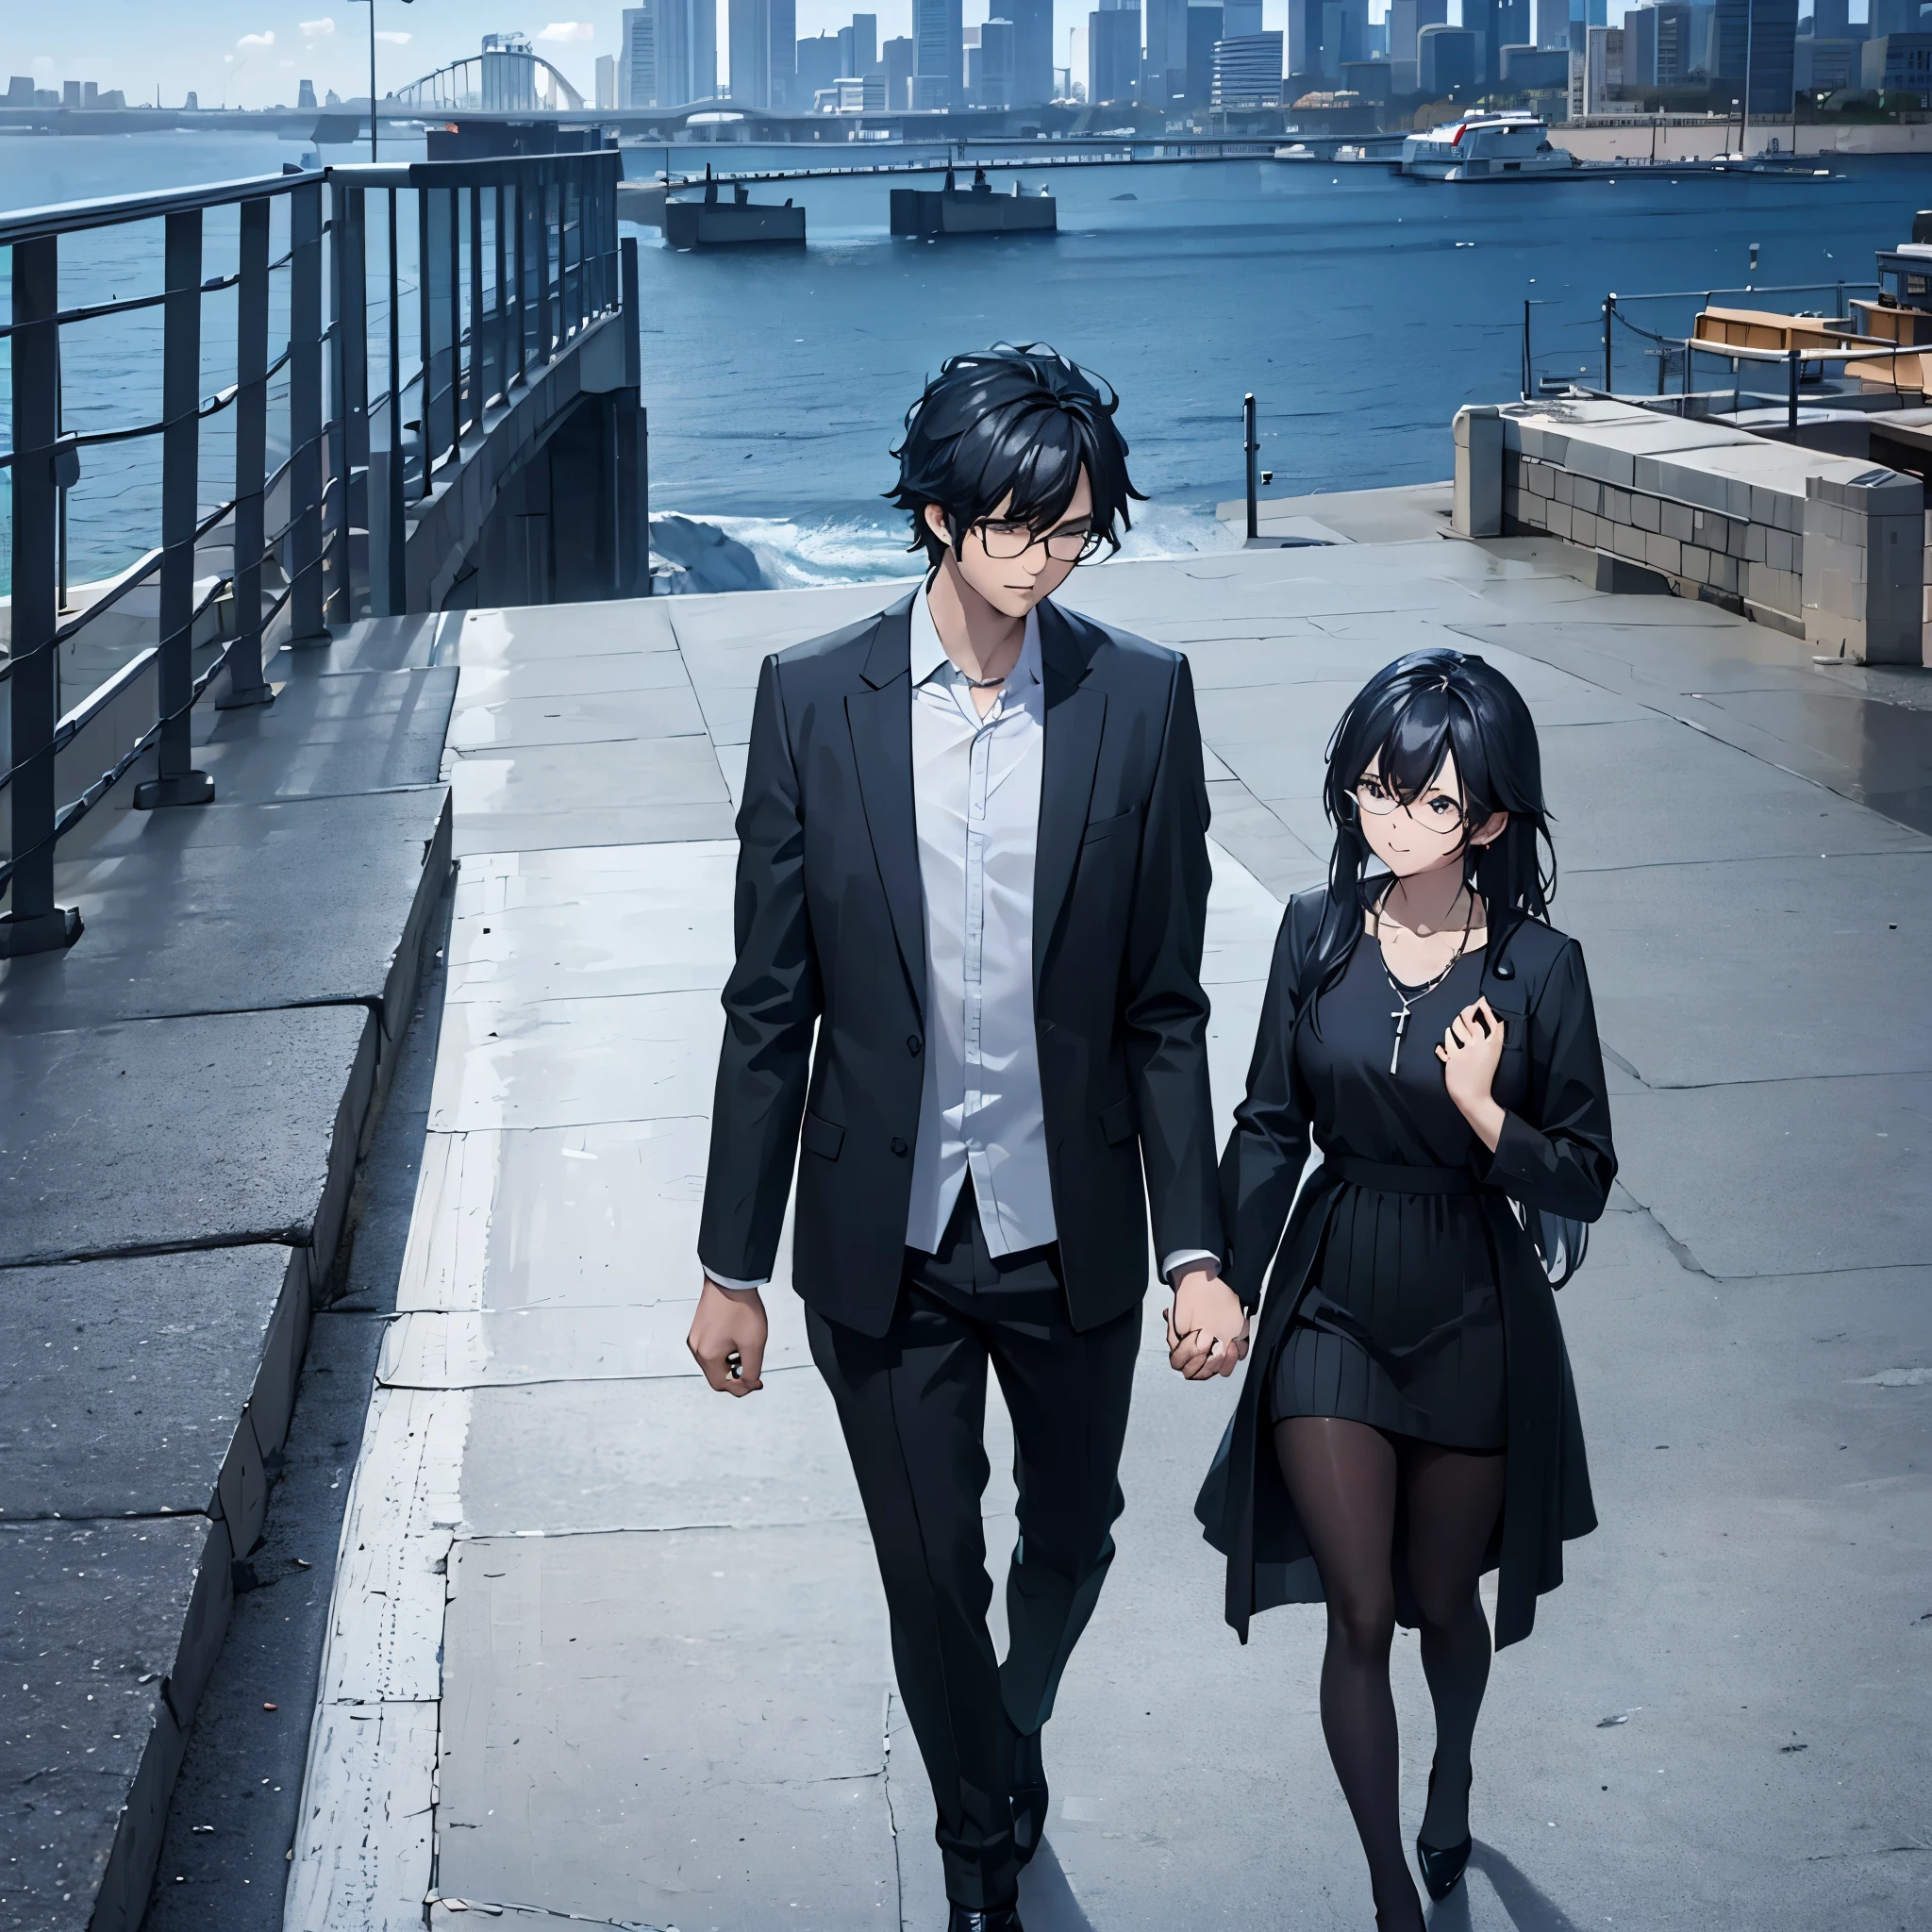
(727, 1337)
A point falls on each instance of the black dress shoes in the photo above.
(1442, 1869)
(1006, 1918)
(1030, 1795)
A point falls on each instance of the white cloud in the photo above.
(569, 30)
(318, 29)
(261, 39)
(395, 39)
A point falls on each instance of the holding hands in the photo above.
(1207, 1326)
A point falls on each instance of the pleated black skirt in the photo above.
(1401, 1327)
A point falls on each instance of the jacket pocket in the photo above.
(823, 1137)
(1117, 1122)
(1106, 828)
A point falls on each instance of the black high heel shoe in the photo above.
(1443, 1870)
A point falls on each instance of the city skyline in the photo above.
(244, 53)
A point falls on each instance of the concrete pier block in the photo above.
(1479, 499)
(1865, 598)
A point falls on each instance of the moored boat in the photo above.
(1485, 147)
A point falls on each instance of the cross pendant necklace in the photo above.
(1401, 1018)
(1422, 993)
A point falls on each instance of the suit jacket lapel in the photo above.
(1074, 714)
(880, 720)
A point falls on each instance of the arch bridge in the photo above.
(508, 77)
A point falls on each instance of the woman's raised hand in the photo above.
(1471, 1051)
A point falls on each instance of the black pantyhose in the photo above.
(1344, 1478)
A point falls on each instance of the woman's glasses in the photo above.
(1434, 811)
(1008, 541)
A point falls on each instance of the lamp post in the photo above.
(371, 4)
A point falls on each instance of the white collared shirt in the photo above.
(975, 794)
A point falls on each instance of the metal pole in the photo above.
(35, 923)
(1609, 319)
(502, 296)
(456, 324)
(305, 415)
(352, 391)
(426, 309)
(1251, 448)
(372, 81)
(1792, 403)
(1528, 361)
(245, 684)
(523, 266)
(479, 378)
(397, 588)
(176, 781)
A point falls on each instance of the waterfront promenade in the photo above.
(605, 1649)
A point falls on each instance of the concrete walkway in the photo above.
(605, 1649)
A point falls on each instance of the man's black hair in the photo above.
(1011, 422)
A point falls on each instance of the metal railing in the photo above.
(505, 263)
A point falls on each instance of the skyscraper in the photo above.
(1769, 29)
(1204, 34)
(667, 55)
(636, 59)
(896, 57)
(1164, 65)
(939, 53)
(858, 45)
(1406, 18)
(1032, 49)
(1113, 53)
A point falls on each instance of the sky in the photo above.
(253, 52)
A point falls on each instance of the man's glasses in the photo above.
(1008, 541)
(1435, 811)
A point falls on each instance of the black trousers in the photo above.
(913, 1407)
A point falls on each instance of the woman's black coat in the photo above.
(1555, 1153)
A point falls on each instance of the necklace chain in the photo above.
(1422, 993)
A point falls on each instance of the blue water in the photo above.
(1362, 310)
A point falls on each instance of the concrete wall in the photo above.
(1825, 548)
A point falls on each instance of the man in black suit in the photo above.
(972, 885)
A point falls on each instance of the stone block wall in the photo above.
(1820, 546)
(1756, 565)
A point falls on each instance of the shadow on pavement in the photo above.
(1048, 1900)
(1528, 1910)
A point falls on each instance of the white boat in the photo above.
(1485, 147)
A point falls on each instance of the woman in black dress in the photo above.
(1407, 1420)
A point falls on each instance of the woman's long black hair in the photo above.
(1402, 722)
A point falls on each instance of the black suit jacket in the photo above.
(825, 1009)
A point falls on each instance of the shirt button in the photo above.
(913, 1042)
(898, 1145)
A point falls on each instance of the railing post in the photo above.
(305, 415)
(1792, 406)
(478, 386)
(456, 322)
(1610, 322)
(1251, 449)
(1528, 361)
(523, 250)
(503, 301)
(394, 528)
(351, 254)
(425, 318)
(245, 683)
(176, 781)
(633, 484)
(34, 923)
(546, 335)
